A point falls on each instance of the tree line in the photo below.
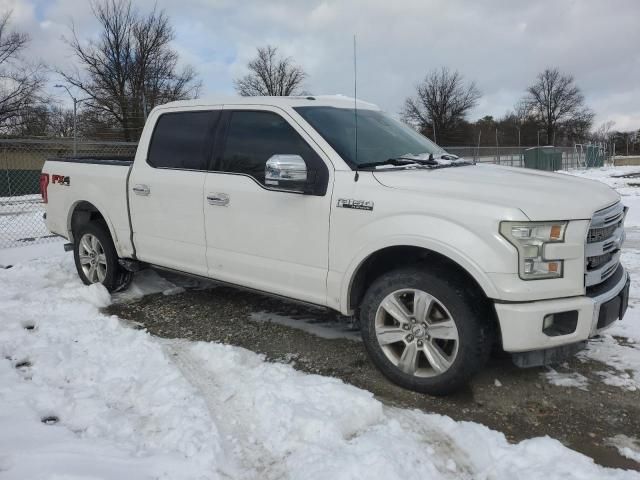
(130, 67)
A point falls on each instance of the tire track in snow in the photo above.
(254, 460)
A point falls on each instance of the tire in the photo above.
(96, 258)
(438, 337)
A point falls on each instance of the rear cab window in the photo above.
(183, 140)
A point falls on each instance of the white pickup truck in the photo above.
(440, 259)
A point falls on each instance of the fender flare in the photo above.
(463, 261)
(100, 210)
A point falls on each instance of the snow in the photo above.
(146, 282)
(623, 360)
(627, 446)
(11, 256)
(130, 405)
(566, 379)
(122, 405)
(21, 220)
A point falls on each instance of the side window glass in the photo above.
(181, 140)
(253, 137)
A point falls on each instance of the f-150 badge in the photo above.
(355, 204)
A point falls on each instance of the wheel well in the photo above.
(83, 213)
(391, 258)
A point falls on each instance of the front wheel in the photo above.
(96, 258)
(423, 331)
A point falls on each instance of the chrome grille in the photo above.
(600, 234)
(603, 244)
(595, 262)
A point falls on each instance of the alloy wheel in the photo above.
(416, 333)
(92, 258)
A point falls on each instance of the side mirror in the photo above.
(287, 172)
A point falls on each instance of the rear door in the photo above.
(166, 191)
(258, 236)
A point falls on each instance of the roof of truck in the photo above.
(338, 101)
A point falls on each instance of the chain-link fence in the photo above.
(21, 161)
(571, 157)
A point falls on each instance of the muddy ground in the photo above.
(521, 404)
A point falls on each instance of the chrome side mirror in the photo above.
(287, 172)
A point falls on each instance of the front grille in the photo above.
(598, 261)
(603, 244)
(600, 234)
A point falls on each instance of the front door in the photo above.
(259, 237)
(166, 191)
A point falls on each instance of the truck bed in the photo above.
(98, 181)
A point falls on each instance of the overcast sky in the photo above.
(500, 44)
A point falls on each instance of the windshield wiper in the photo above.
(404, 161)
(421, 161)
(396, 162)
(433, 162)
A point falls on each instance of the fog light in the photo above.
(562, 323)
(547, 322)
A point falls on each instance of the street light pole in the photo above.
(75, 114)
(75, 137)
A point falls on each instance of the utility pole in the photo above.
(497, 148)
(433, 124)
(144, 106)
(479, 136)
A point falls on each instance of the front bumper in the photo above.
(521, 324)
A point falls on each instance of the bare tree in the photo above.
(20, 83)
(271, 75)
(604, 133)
(41, 120)
(558, 104)
(441, 103)
(130, 68)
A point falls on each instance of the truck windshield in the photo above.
(380, 137)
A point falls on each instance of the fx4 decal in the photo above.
(61, 180)
(355, 204)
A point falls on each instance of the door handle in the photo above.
(141, 190)
(220, 199)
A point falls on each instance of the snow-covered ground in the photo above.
(85, 395)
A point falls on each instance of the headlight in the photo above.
(529, 239)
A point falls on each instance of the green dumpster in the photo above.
(543, 158)
(593, 156)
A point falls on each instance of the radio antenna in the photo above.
(355, 106)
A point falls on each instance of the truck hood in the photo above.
(540, 195)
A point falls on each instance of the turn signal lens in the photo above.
(555, 233)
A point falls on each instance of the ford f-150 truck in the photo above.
(332, 202)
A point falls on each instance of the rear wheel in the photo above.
(423, 331)
(96, 258)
